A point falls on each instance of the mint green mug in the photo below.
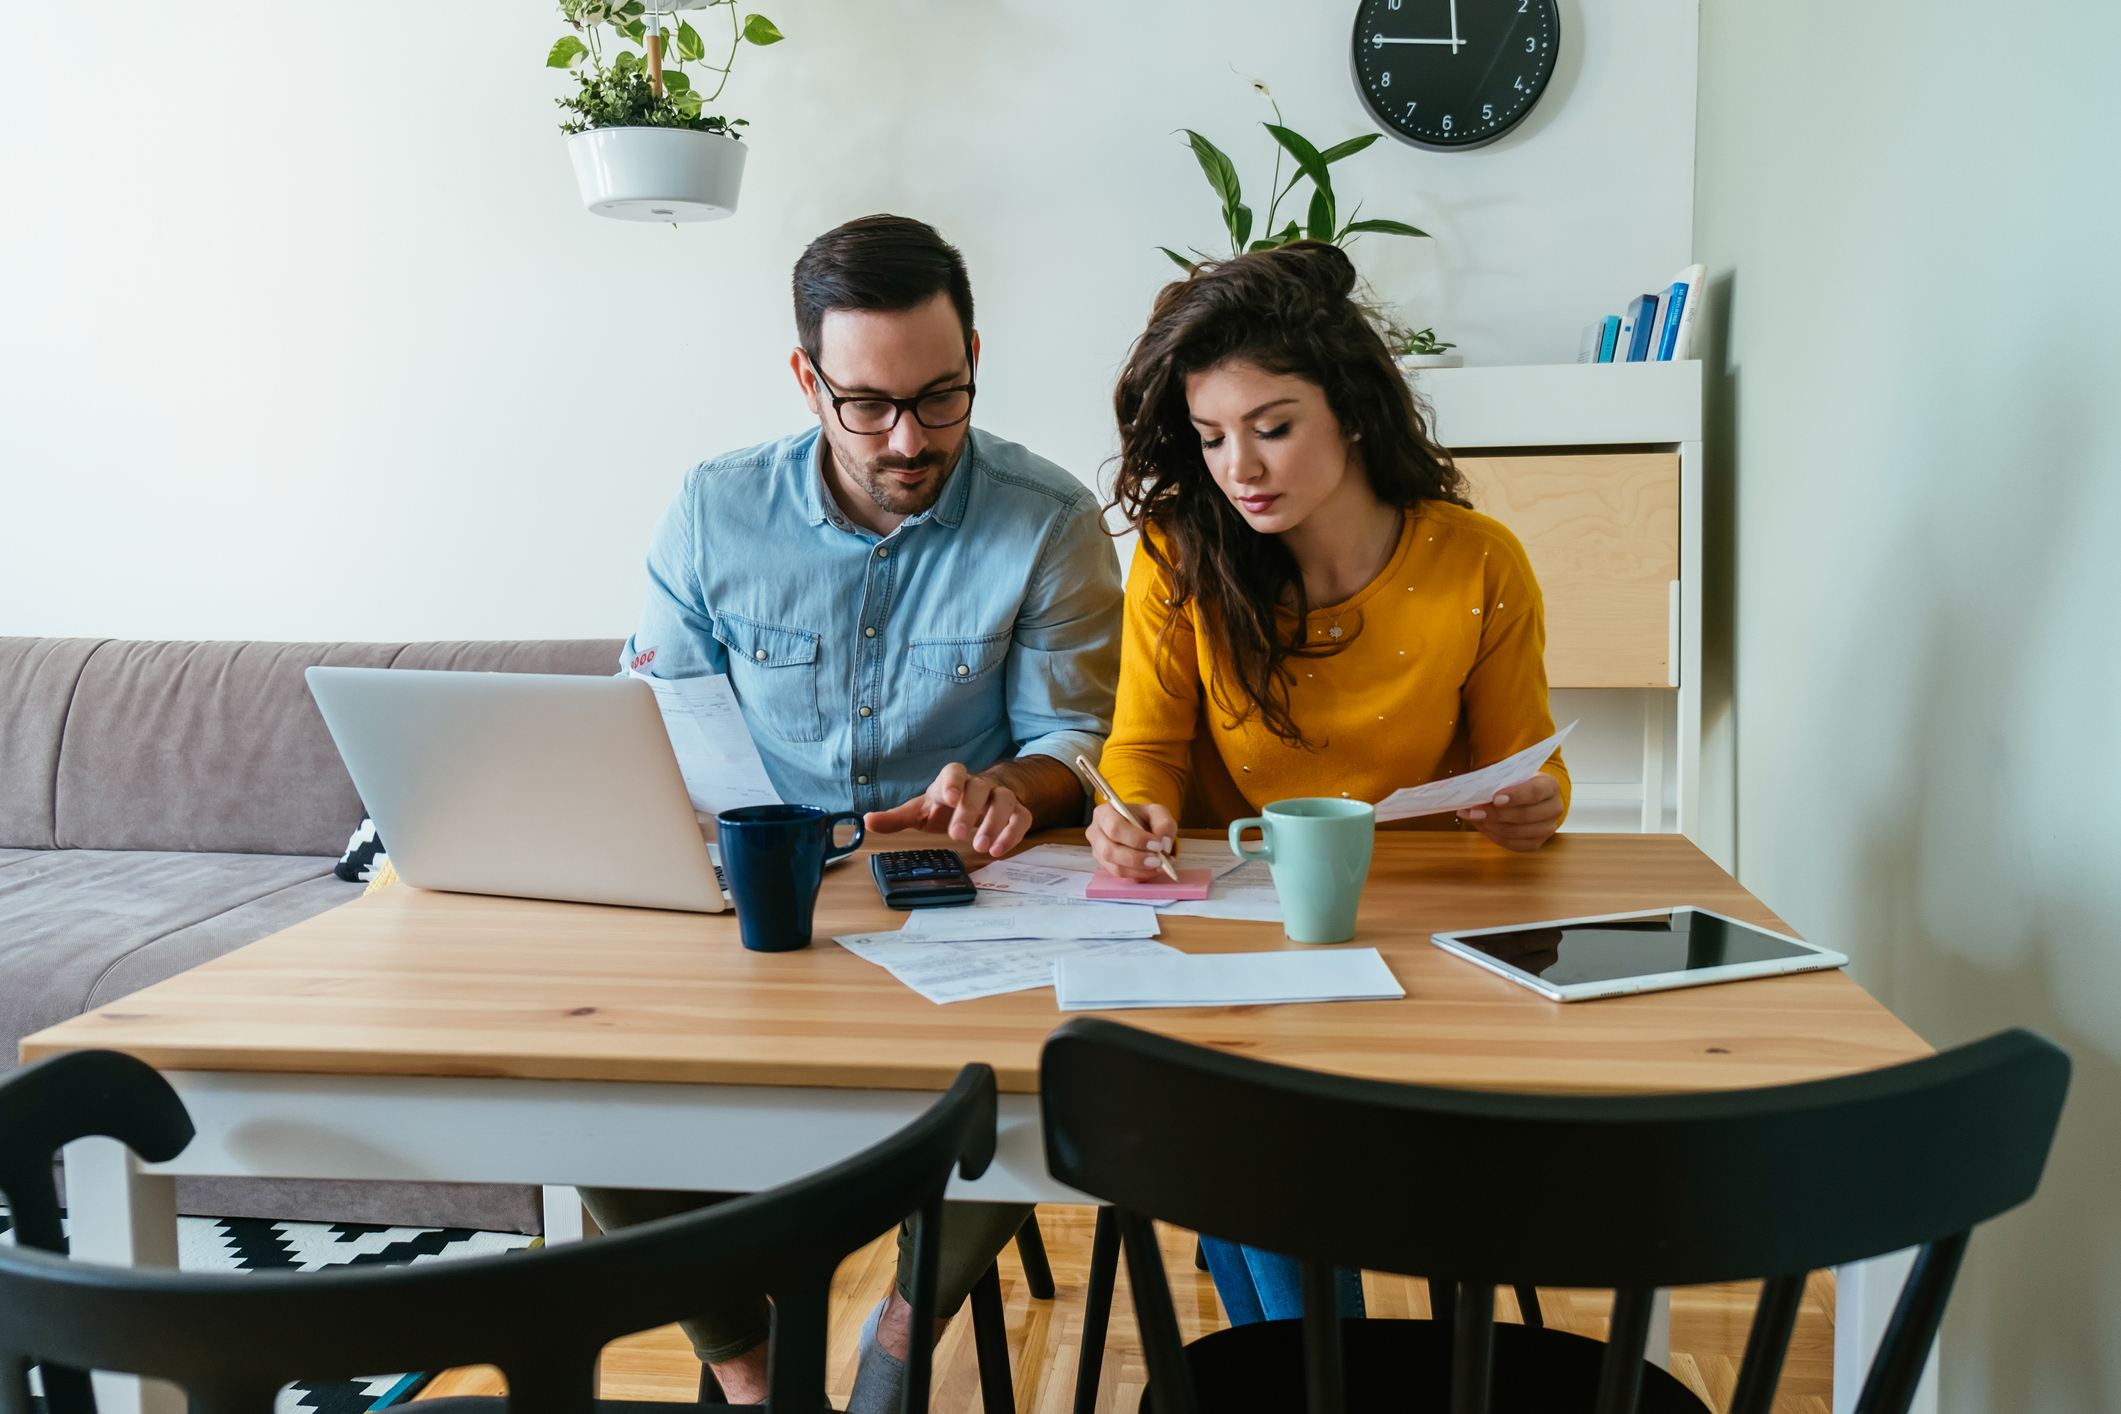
(1319, 852)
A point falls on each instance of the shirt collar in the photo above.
(821, 508)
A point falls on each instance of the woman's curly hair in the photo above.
(1288, 311)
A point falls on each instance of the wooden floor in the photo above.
(1708, 1332)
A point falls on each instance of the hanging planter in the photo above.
(657, 174)
(642, 148)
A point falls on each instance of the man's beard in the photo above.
(892, 497)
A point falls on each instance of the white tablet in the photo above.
(1614, 954)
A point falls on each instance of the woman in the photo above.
(1314, 608)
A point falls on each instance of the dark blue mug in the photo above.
(774, 857)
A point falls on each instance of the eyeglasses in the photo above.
(873, 416)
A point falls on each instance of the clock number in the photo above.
(1487, 112)
(1447, 122)
(1386, 80)
(1531, 46)
(1521, 5)
(1519, 85)
(1410, 110)
(1391, 4)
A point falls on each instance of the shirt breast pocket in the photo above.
(955, 686)
(773, 669)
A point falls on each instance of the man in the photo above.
(917, 618)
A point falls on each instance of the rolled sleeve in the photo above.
(1063, 664)
(675, 637)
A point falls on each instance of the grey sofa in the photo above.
(165, 803)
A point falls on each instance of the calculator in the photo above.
(921, 878)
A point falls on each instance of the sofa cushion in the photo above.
(37, 678)
(215, 747)
(85, 927)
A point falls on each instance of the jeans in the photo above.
(1265, 1286)
(731, 1323)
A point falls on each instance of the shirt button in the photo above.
(962, 670)
(868, 633)
(760, 655)
(861, 780)
(865, 711)
(882, 553)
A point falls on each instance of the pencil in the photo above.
(1105, 788)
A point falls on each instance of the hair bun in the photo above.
(1324, 266)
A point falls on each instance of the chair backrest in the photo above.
(231, 1341)
(1628, 1192)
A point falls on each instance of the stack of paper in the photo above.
(997, 916)
(1474, 787)
(956, 970)
(1237, 889)
(716, 755)
(1112, 983)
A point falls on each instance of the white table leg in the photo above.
(564, 1219)
(1652, 761)
(122, 1217)
(1658, 1348)
(1864, 1293)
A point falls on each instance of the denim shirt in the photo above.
(985, 628)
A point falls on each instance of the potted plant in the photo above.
(1321, 216)
(642, 146)
(1420, 348)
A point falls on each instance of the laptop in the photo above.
(528, 784)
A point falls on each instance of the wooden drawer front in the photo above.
(1603, 536)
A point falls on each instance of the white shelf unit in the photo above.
(1593, 408)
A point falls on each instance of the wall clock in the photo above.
(1450, 74)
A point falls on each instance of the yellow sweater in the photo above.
(1444, 672)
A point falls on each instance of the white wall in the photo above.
(1913, 205)
(307, 336)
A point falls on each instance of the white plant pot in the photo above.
(1431, 361)
(657, 174)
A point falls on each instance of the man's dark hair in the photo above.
(885, 263)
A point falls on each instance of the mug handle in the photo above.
(832, 851)
(1266, 841)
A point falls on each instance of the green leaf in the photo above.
(1241, 229)
(1347, 149)
(675, 82)
(1307, 157)
(1381, 227)
(1222, 175)
(637, 31)
(626, 61)
(1322, 214)
(760, 30)
(1282, 237)
(1177, 259)
(690, 45)
(566, 53)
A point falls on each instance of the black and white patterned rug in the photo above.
(259, 1244)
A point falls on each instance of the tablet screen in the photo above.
(1681, 941)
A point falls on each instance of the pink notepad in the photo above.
(1192, 884)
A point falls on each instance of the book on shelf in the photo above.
(1635, 326)
(1683, 337)
(1656, 328)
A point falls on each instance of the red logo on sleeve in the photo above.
(642, 660)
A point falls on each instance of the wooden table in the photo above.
(461, 1038)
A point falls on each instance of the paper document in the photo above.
(715, 752)
(1222, 979)
(1245, 892)
(952, 970)
(1028, 916)
(1472, 788)
(1238, 888)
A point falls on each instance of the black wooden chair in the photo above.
(1480, 1189)
(231, 1341)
